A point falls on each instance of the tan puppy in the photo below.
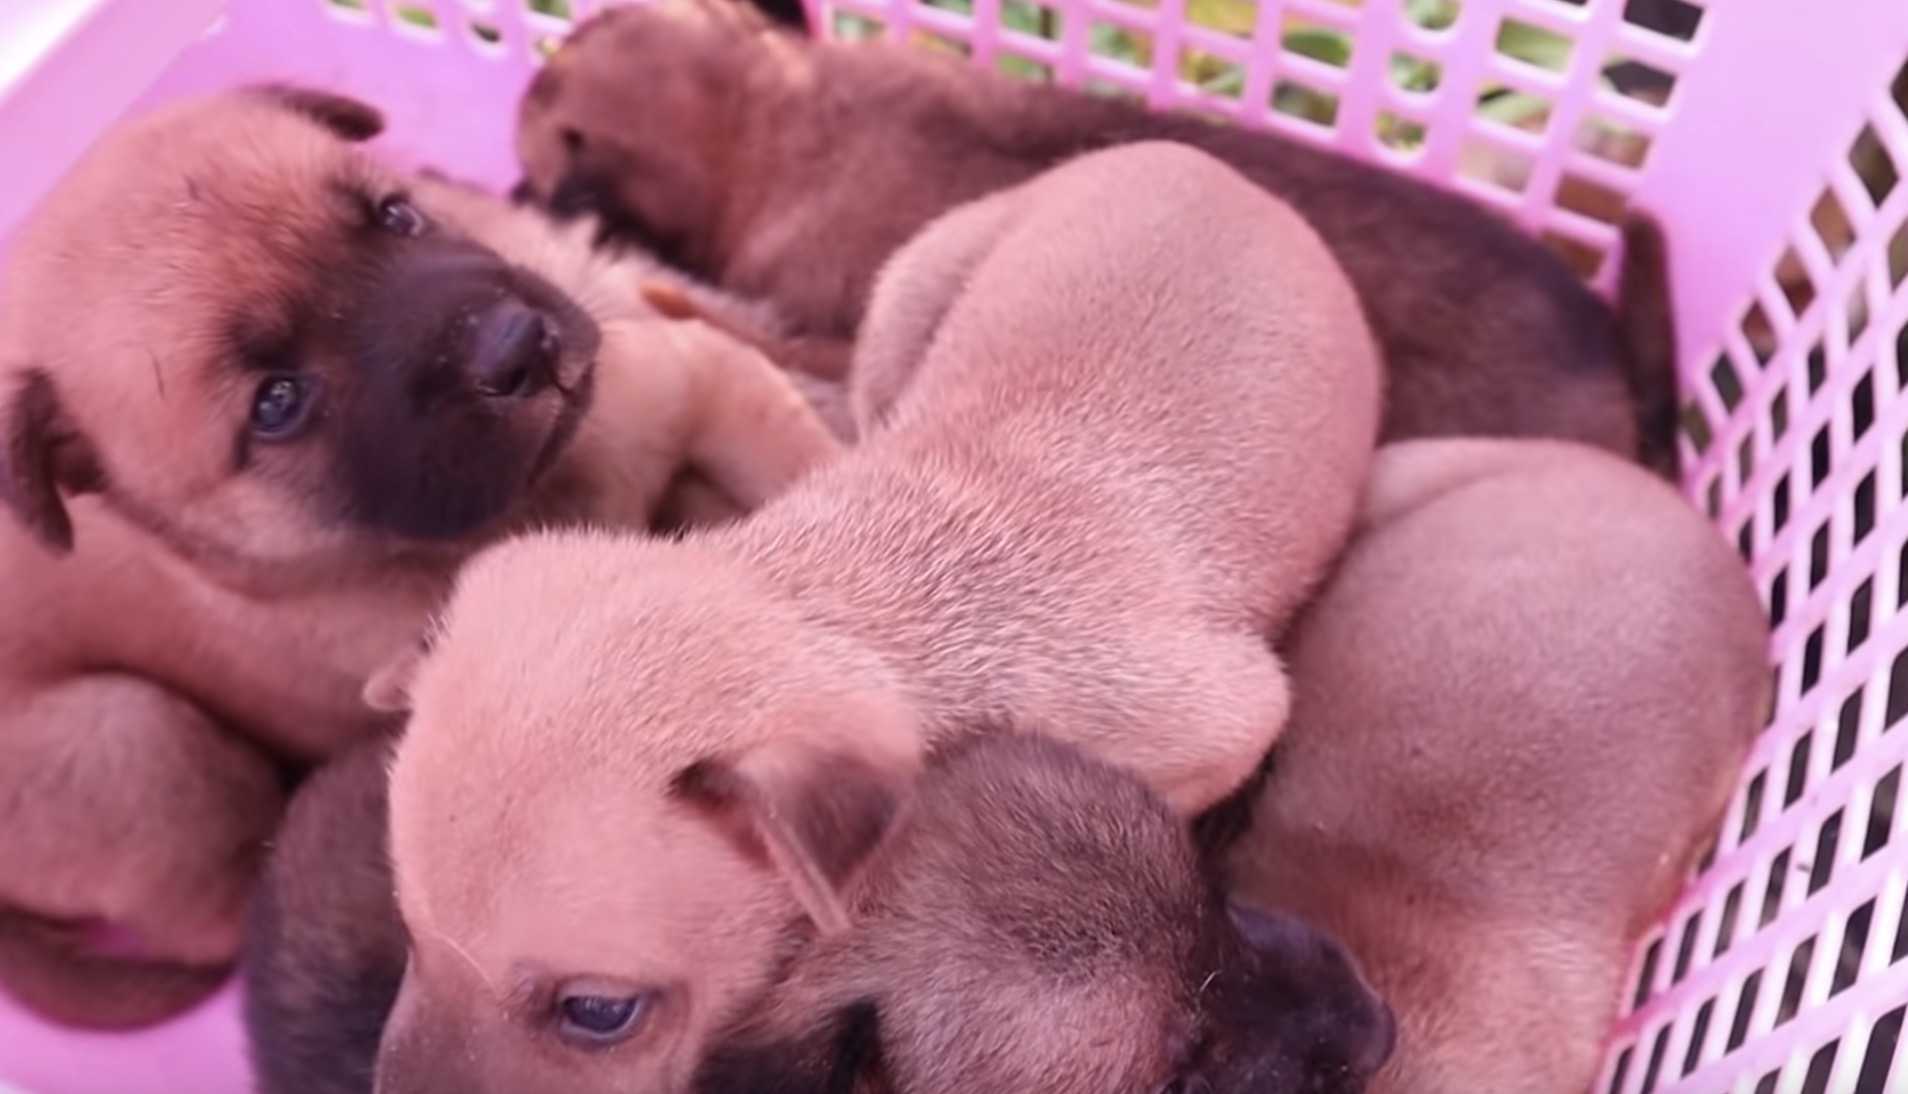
(790, 171)
(1037, 921)
(1520, 706)
(1132, 449)
(259, 396)
(1027, 909)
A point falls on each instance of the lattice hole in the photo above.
(1503, 168)
(1319, 43)
(1655, 1067)
(1238, 18)
(1823, 1062)
(1796, 981)
(1212, 74)
(1415, 74)
(1581, 257)
(1400, 133)
(1538, 47)
(1121, 44)
(1591, 199)
(554, 9)
(1671, 18)
(1613, 142)
(1434, 15)
(1639, 81)
(1745, 1010)
(1879, 1058)
(1760, 333)
(1898, 256)
(1024, 68)
(1871, 163)
(1881, 812)
(852, 26)
(1832, 225)
(1699, 1032)
(1033, 20)
(416, 18)
(1792, 277)
(1305, 102)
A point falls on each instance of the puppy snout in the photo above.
(515, 352)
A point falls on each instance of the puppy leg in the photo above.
(913, 294)
(123, 804)
(751, 434)
(1239, 704)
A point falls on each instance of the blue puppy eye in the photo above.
(600, 1019)
(281, 405)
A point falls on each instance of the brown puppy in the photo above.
(1036, 920)
(1520, 706)
(1135, 444)
(790, 171)
(259, 397)
(324, 948)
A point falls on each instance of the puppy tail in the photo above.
(1647, 327)
(46, 968)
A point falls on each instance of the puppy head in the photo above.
(251, 339)
(635, 120)
(1038, 920)
(617, 804)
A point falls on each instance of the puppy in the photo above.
(1135, 443)
(1035, 920)
(1520, 706)
(324, 948)
(259, 398)
(790, 171)
(1026, 909)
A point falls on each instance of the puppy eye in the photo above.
(598, 1020)
(399, 217)
(281, 406)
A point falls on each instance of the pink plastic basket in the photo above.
(1772, 139)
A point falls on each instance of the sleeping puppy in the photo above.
(1035, 920)
(1031, 919)
(259, 398)
(1520, 706)
(1135, 444)
(324, 948)
(790, 171)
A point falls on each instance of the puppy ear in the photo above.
(812, 813)
(42, 454)
(349, 118)
(389, 689)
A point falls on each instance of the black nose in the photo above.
(514, 354)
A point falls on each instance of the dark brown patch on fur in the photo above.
(42, 457)
(325, 947)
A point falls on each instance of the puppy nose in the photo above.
(515, 351)
(1384, 1039)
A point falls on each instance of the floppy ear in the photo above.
(42, 454)
(389, 689)
(812, 813)
(349, 118)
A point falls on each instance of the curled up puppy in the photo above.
(1132, 449)
(1520, 707)
(260, 396)
(790, 170)
(1036, 920)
